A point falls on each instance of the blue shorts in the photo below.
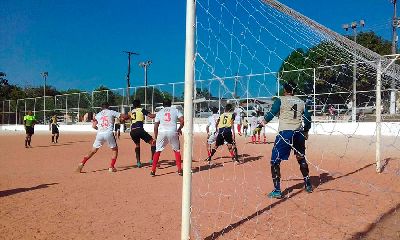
(283, 145)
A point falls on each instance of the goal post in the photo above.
(188, 115)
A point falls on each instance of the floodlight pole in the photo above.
(128, 75)
(188, 115)
(346, 27)
(44, 75)
(395, 25)
(145, 65)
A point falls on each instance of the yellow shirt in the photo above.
(29, 120)
(226, 120)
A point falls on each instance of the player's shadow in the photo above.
(59, 144)
(245, 158)
(9, 192)
(207, 167)
(315, 181)
(380, 223)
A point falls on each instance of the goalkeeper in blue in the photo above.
(292, 113)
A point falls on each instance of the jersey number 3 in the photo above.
(167, 117)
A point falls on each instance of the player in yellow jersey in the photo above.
(29, 124)
(137, 116)
(53, 127)
(226, 133)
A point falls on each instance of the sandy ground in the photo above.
(42, 198)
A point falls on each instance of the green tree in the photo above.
(332, 80)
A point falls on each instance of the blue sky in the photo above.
(81, 43)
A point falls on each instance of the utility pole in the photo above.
(145, 65)
(128, 76)
(395, 25)
(346, 27)
(44, 75)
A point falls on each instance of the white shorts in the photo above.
(164, 138)
(212, 138)
(103, 137)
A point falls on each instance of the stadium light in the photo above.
(346, 27)
(145, 65)
(44, 75)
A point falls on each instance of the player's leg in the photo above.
(149, 139)
(280, 151)
(239, 129)
(299, 149)
(161, 142)
(135, 136)
(112, 143)
(98, 142)
(86, 158)
(174, 140)
(218, 142)
(57, 136)
(228, 138)
(264, 135)
(26, 140)
(114, 156)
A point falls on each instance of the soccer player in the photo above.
(226, 133)
(238, 120)
(253, 126)
(104, 123)
(245, 125)
(261, 126)
(165, 132)
(117, 128)
(29, 124)
(137, 131)
(212, 129)
(53, 127)
(292, 113)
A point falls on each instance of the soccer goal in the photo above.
(250, 48)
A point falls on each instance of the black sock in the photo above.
(26, 143)
(236, 153)
(29, 141)
(57, 138)
(304, 170)
(137, 151)
(52, 138)
(153, 150)
(276, 176)
(213, 151)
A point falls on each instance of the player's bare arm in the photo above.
(156, 124)
(181, 123)
(151, 115)
(94, 124)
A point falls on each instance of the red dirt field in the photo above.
(41, 197)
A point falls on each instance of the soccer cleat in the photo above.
(152, 173)
(309, 188)
(208, 159)
(112, 169)
(275, 194)
(180, 173)
(79, 168)
(139, 164)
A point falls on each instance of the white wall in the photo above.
(362, 128)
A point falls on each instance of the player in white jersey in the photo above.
(104, 124)
(166, 131)
(238, 119)
(253, 126)
(212, 129)
(261, 126)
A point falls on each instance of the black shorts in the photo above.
(224, 135)
(117, 127)
(140, 133)
(29, 130)
(54, 129)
